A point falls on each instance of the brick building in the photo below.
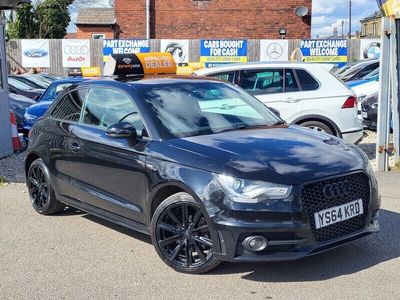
(96, 23)
(251, 19)
(371, 26)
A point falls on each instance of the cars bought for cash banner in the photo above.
(125, 46)
(179, 49)
(217, 52)
(75, 53)
(325, 51)
(35, 53)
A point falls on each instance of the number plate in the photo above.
(339, 213)
(364, 115)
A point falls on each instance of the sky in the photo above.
(328, 14)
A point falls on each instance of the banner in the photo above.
(217, 52)
(125, 46)
(274, 50)
(325, 51)
(389, 8)
(76, 53)
(370, 48)
(179, 49)
(35, 53)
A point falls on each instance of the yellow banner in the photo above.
(184, 70)
(325, 59)
(157, 63)
(223, 59)
(391, 8)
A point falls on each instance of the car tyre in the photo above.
(41, 191)
(181, 236)
(318, 126)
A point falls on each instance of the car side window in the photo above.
(307, 82)
(290, 81)
(69, 107)
(105, 107)
(266, 81)
(226, 76)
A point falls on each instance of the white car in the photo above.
(303, 93)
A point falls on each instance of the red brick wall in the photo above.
(251, 19)
(85, 32)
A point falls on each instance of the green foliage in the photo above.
(48, 19)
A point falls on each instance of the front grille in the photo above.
(365, 107)
(314, 200)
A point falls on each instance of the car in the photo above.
(369, 111)
(33, 80)
(20, 88)
(18, 105)
(304, 94)
(359, 70)
(163, 155)
(37, 110)
(373, 76)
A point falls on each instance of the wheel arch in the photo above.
(30, 158)
(332, 125)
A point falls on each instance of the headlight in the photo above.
(29, 117)
(248, 191)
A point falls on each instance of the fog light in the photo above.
(255, 243)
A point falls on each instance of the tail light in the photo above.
(350, 102)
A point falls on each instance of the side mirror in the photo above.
(122, 130)
(274, 111)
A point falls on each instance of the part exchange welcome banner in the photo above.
(124, 46)
(217, 52)
(325, 51)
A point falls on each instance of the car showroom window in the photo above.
(226, 76)
(70, 105)
(105, 107)
(266, 81)
(290, 81)
(307, 82)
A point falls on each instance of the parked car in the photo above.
(304, 94)
(33, 80)
(37, 110)
(18, 105)
(359, 70)
(373, 76)
(20, 88)
(201, 166)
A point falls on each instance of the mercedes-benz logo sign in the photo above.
(274, 51)
(337, 189)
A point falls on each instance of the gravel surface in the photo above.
(11, 168)
(77, 256)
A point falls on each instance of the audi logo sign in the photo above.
(337, 189)
(76, 53)
(79, 50)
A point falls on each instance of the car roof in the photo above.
(69, 80)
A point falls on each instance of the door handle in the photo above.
(75, 147)
(292, 100)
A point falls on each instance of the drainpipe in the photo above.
(147, 19)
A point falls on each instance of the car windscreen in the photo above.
(18, 84)
(191, 109)
(40, 81)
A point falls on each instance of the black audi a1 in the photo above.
(203, 167)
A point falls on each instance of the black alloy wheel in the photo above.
(41, 190)
(181, 235)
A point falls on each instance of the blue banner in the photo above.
(217, 52)
(125, 46)
(325, 51)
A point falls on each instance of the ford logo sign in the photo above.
(35, 53)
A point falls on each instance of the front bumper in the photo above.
(290, 235)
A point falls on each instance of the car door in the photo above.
(109, 172)
(276, 88)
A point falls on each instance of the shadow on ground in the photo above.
(351, 258)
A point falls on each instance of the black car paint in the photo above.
(123, 180)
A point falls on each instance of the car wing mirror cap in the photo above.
(122, 130)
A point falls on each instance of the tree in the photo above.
(47, 19)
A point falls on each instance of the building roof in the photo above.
(96, 16)
(375, 15)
